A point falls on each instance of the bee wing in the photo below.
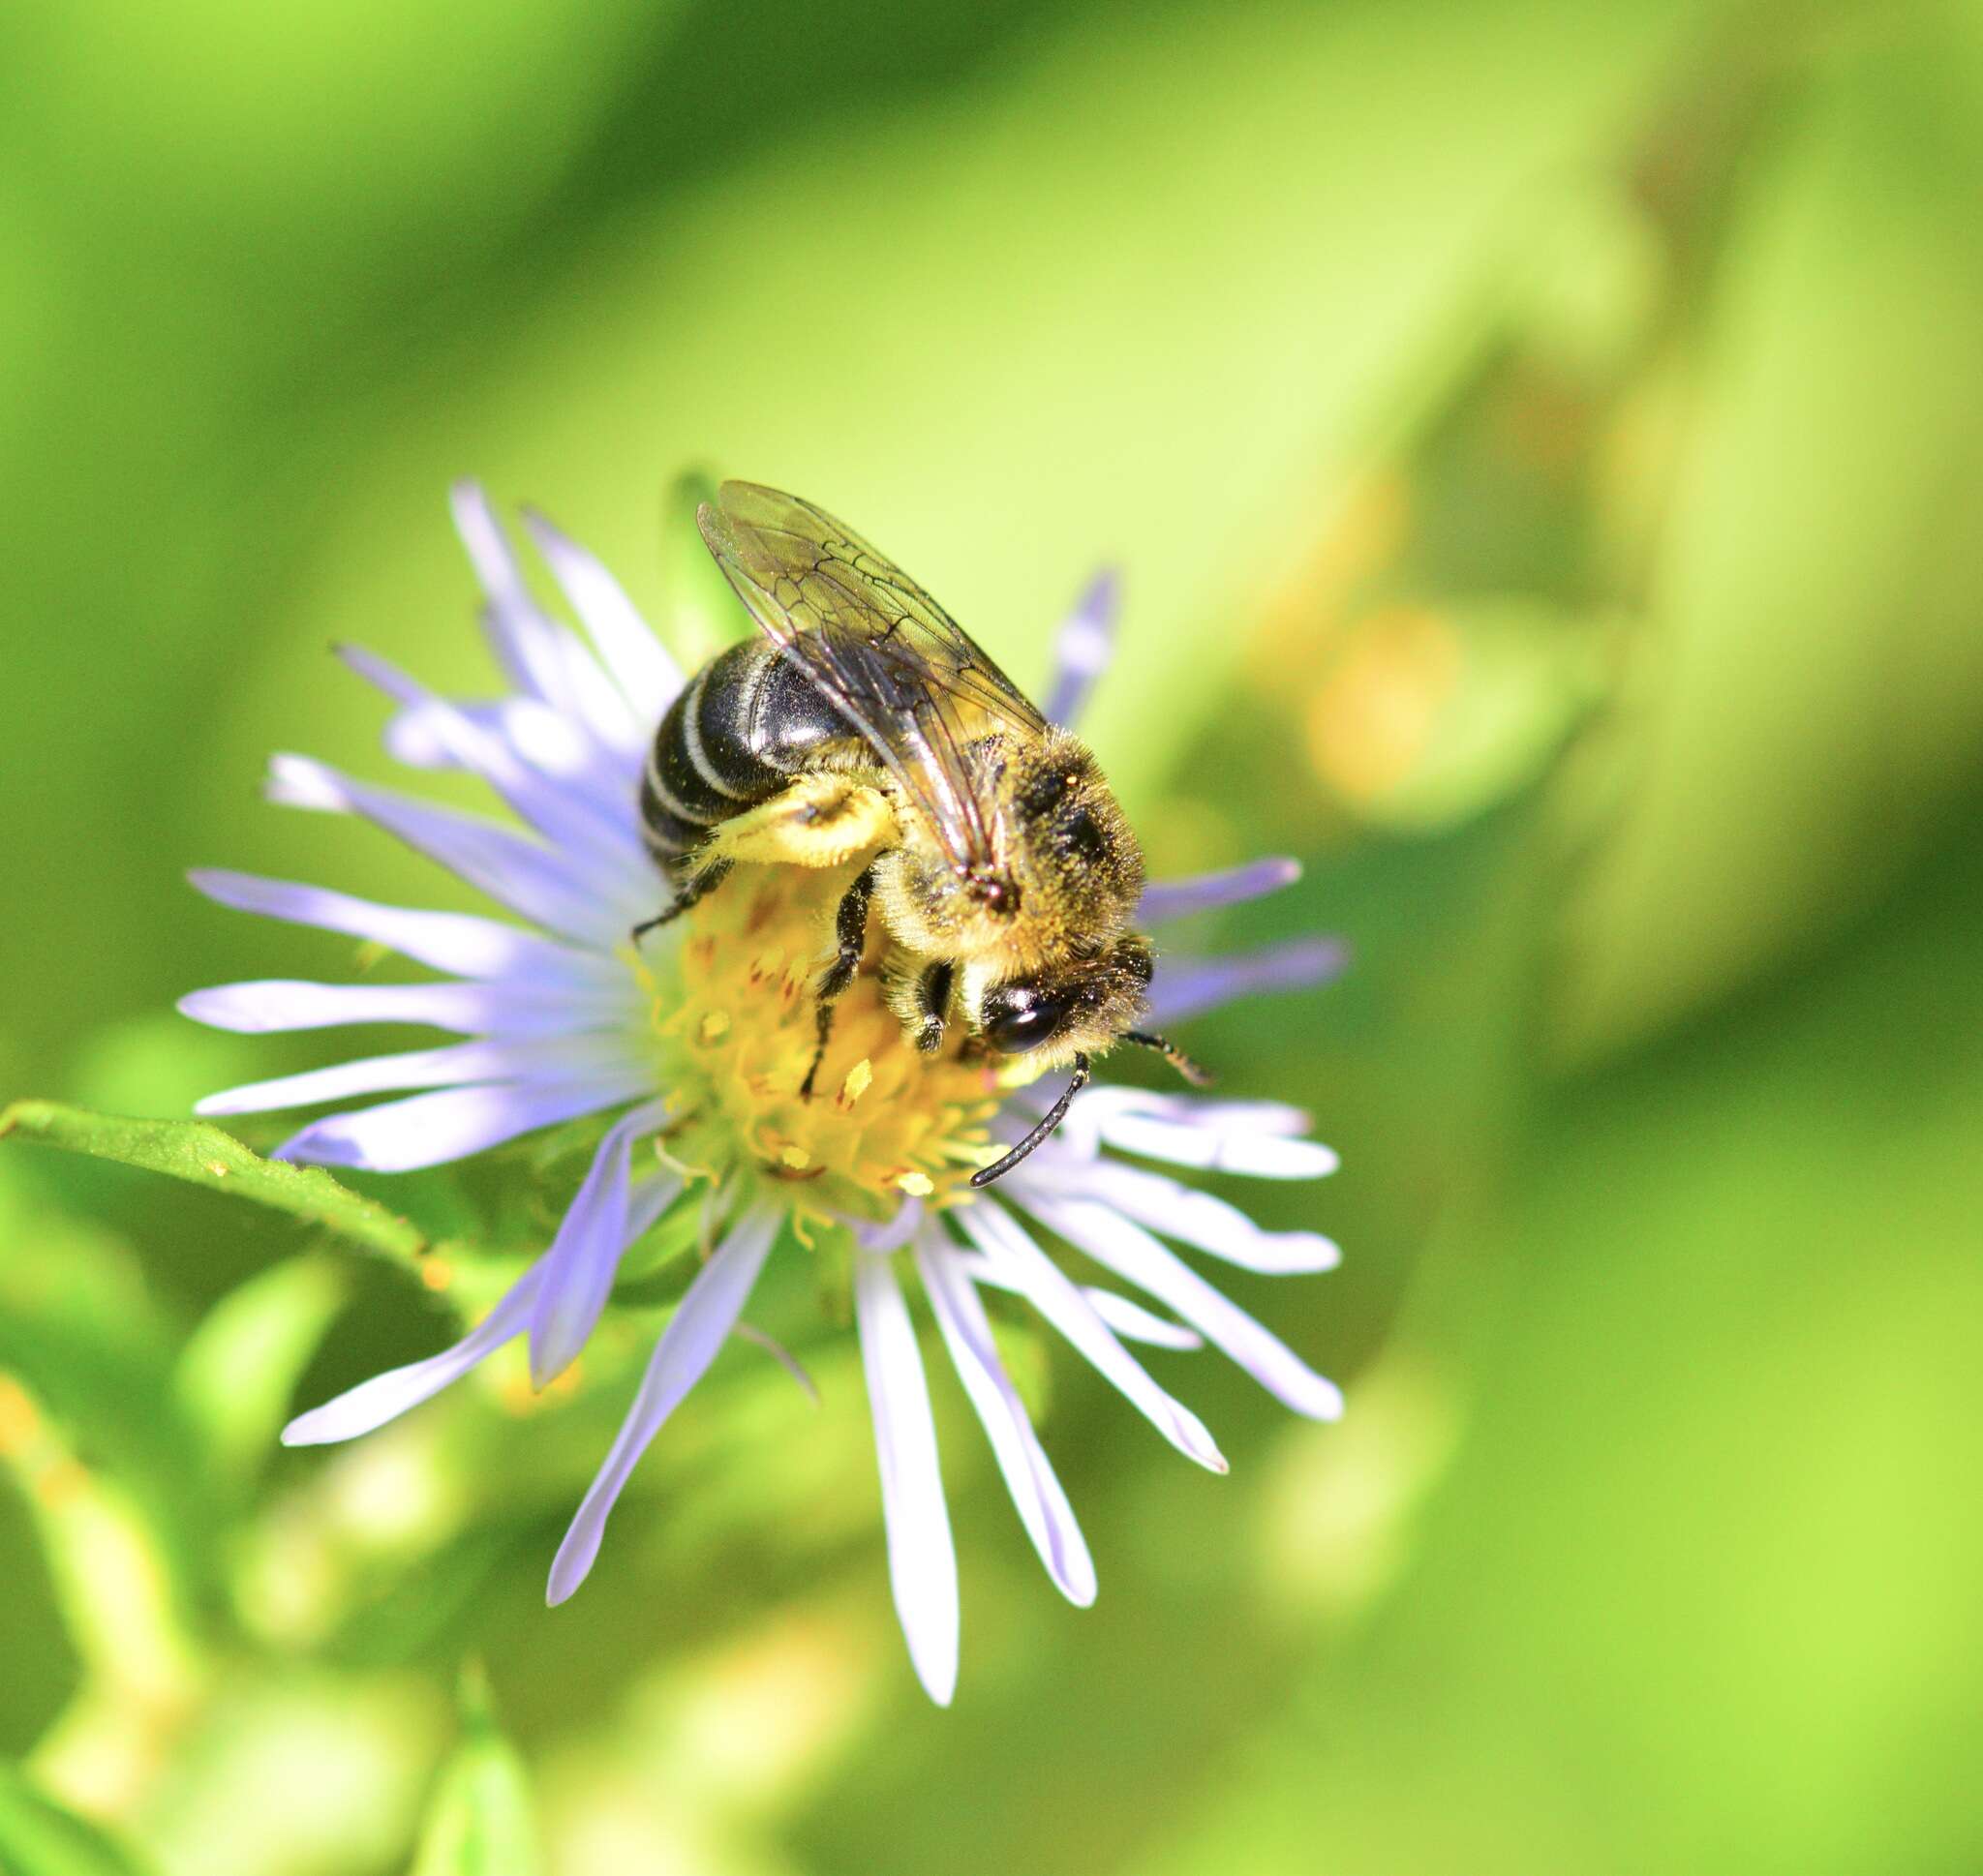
(905, 676)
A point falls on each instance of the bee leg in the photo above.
(932, 1000)
(851, 930)
(700, 886)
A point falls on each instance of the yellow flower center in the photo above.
(733, 1003)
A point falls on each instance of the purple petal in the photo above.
(276, 1004)
(1194, 1218)
(1051, 1292)
(579, 1267)
(1188, 987)
(385, 1397)
(1135, 1323)
(533, 732)
(1245, 1136)
(704, 1317)
(1036, 1492)
(654, 1193)
(593, 829)
(456, 1066)
(1128, 1249)
(518, 632)
(1129, 1320)
(430, 1130)
(1082, 648)
(922, 1561)
(457, 942)
(644, 670)
(890, 1234)
(1180, 899)
(541, 656)
(531, 880)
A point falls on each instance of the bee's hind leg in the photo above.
(850, 930)
(699, 886)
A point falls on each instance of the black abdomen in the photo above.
(749, 723)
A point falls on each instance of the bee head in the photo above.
(1085, 1004)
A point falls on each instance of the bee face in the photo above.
(1064, 876)
(1085, 1003)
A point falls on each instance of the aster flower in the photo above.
(695, 1044)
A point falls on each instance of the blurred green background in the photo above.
(1544, 444)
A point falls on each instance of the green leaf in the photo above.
(82, 1332)
(39, 1837)
(242, 1364)
(482, 1823)
(200, 1154)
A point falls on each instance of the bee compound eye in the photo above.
(1018, 1017)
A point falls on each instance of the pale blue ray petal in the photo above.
(431, 1129)
(1178, 898)
(593, 829)
(706, 1315)
(459, 942)
(455, 1066)
(1129, 1320)
(1194, 1218)
(531, 880)
(1186, 988)
(538, 734)
(1245, 1136)
(541, 655)
(1278, 1118)
(1104, 1109)
(922, 1560)
(632, 653)
(385, 1397)
(518, 631)
(276, 1004)
(1127, 1249)
(1036, 1491)
(595, 1230)
(892, 1233)
(1082, 648)
(1135, 1323)
(654, 1193)
(1054, 1294)
(1213, 1146)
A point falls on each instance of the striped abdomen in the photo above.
(749, 723)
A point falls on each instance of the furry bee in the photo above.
(866, 720)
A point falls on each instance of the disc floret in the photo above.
(732, 1003)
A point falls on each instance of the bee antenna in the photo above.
(1197, 1078)
(1055, 1114)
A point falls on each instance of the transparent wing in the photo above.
(905, 676)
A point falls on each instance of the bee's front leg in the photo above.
(932, 1004)
(850, 931)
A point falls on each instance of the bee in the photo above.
(866, 720)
